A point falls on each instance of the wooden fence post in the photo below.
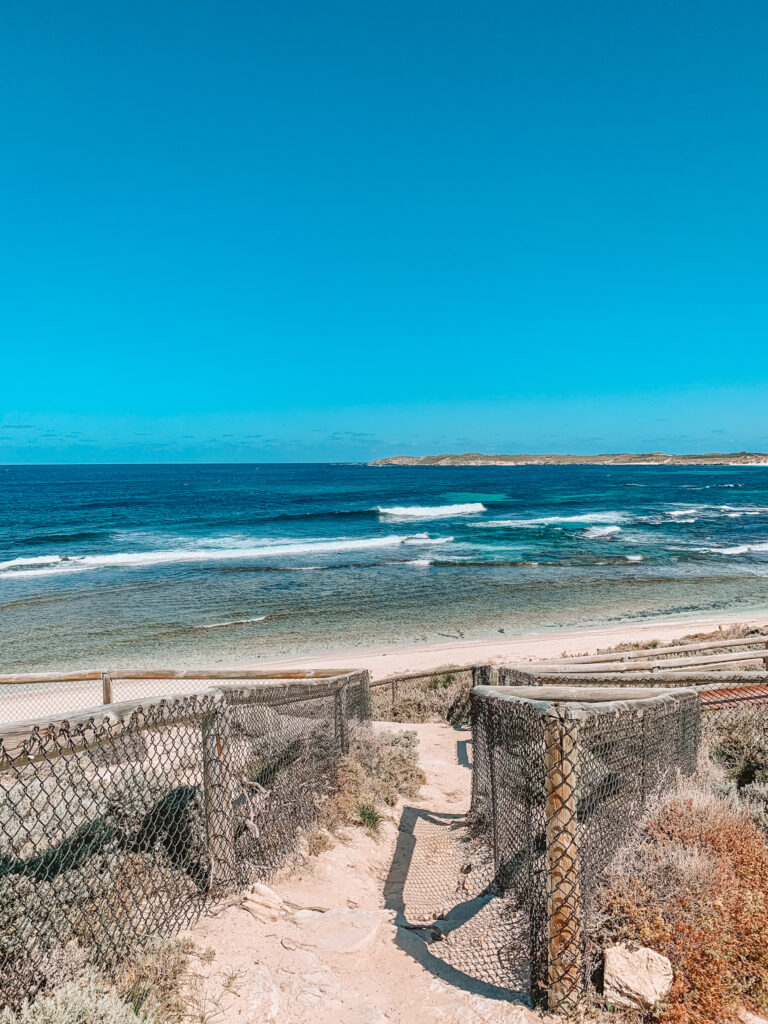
(565, 971)
(340, 710)
(482, 675)
(219, 791)
(106, 688)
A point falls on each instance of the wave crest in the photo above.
(430, 511)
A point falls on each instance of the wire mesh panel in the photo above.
(437, 696)
(562, 776)
(102, 837)
(122, 823)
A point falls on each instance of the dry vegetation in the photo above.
(732, 632)
(695, 887)
(379, 769)
(438, 696)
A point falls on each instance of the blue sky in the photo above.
(244, 231)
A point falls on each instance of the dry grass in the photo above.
(379, 769)
(732, 632)
(694, 886)
(438, 696)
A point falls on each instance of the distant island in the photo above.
(620, 459)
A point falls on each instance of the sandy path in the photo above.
(362, 961)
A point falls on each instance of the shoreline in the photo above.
(381, 662)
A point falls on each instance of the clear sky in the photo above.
(244, 230)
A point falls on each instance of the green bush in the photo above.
(86, 1001)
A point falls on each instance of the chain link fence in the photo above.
(560, 776)
(441, 695)
(125, 822)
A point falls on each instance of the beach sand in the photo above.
(527, 647)
(35, 702)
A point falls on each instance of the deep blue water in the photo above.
(115, 565)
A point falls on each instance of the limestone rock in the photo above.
(636, 977)
(261, 996)
(342, 930)
(750, 1018)
(263, 903)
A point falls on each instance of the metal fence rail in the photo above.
(123, 821)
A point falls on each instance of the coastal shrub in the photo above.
(442, 696)
(369, 817)
(694, 886)
(380, 767)
(735, 631)
(85, 1001)
(738, 741)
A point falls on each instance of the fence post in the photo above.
(565, 971)
(490, 732)
(765, 659)
(481, 675)
(340, 711)
(106, 688)
(219, 792)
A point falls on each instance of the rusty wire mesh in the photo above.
(123, 824)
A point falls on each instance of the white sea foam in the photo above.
(54, 564)
(430, 511)
(419, 562)
(634, 558)
(424, 538)
(738, 549)
(586, 517)
(595, 532)
(27, 563)
(233, 622)
(690, 513)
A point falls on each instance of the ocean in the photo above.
(108, 566)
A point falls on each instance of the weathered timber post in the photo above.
(565, 970)
(340, 714)
(106, 688)
(219, 791)
(490, 732)
(765, 659)
(482, 675)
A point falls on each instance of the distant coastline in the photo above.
(618, 459)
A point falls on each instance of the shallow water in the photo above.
(115, 565)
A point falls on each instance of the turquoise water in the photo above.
(116, 565)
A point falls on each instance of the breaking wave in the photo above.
(46, 565)
(430, 511)
(585, 517)
(595, 532)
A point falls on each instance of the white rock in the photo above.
(261, 996)
(343, 930)
(750, 1018)
(267, 895)
(636, 977)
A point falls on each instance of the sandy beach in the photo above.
(530, 646)
(28, 702)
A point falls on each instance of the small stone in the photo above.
(636, 977)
